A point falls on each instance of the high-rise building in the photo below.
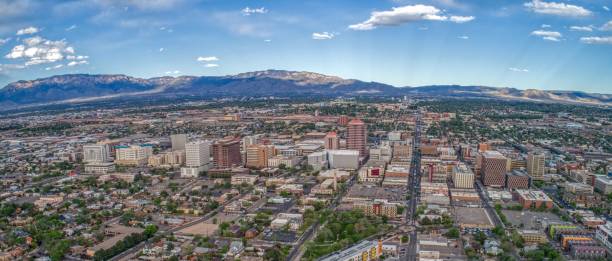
(535, 166)
(343, 120)
(133, 155)
(95, 153)
(357, 136)
(493, 169)
(197, 153)
(331, 141)
(257, 155)
(178, 141)
(463, 177)
(226, 153)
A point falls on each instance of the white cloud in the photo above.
(461, 19)
(3, 41)
(54, 67)
(514, 69)
(606, 8)
(406, 14)
(211, 65)
(248, 11)
(72, 27)
(28, 30)
(548, 35)
(554, 8)
(545, 26)
(208, 59)
(37, 50)
(464, 37)
(322, 36)
(267, 40)
(607, 26)
(75, 63)
(581, 28)
(173, 72)
(597, 40)
(77, 57)
(161, 49)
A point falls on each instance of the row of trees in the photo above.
(126, 243)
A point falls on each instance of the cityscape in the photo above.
(400, 130)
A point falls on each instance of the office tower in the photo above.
(95, 153)
(226, 153)
(331, 141)
(357, 136)
(343, 120)
(463, 177)
(178, 141)
(535, 166)
(133, 155)
(493, 168)
(197, 153)
(257, 155)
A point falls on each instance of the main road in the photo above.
(414, 186)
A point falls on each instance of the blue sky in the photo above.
(556, 44)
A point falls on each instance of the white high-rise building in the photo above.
(178, 141)
(197, 153)
(535, 166)
(95, 153)
(463, 177)
(133, 155)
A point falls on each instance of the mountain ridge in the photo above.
(85, 87)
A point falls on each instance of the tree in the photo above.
(452, 233)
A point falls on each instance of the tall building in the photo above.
(357, 136)
(493, 169)
(343, 120)
(226, 153)
(257, 155)
(197, 153)
(535, 166)
(95, 153)
(178, 141)
(463, 177)
(133, 155)
(331, 141)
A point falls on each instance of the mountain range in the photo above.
(85, 87)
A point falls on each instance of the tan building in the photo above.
(377, 208)
(332, 142)
(257, 155)
(536, 166)
(463, 177)
(493, 169)
(533, 237)
(133, 155)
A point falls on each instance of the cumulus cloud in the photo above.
(211, 65)
(207, 59)
(597, 40)
(581, 28)
(38, 50)
(28, 30)
(514, 69)
(548, 35)
(3, 41)
(554, 8)
(407, 14)
(322, 36)
(248, 11)
(607, 26)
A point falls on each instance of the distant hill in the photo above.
(85, 87)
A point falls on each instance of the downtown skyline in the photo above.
(550, 45)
